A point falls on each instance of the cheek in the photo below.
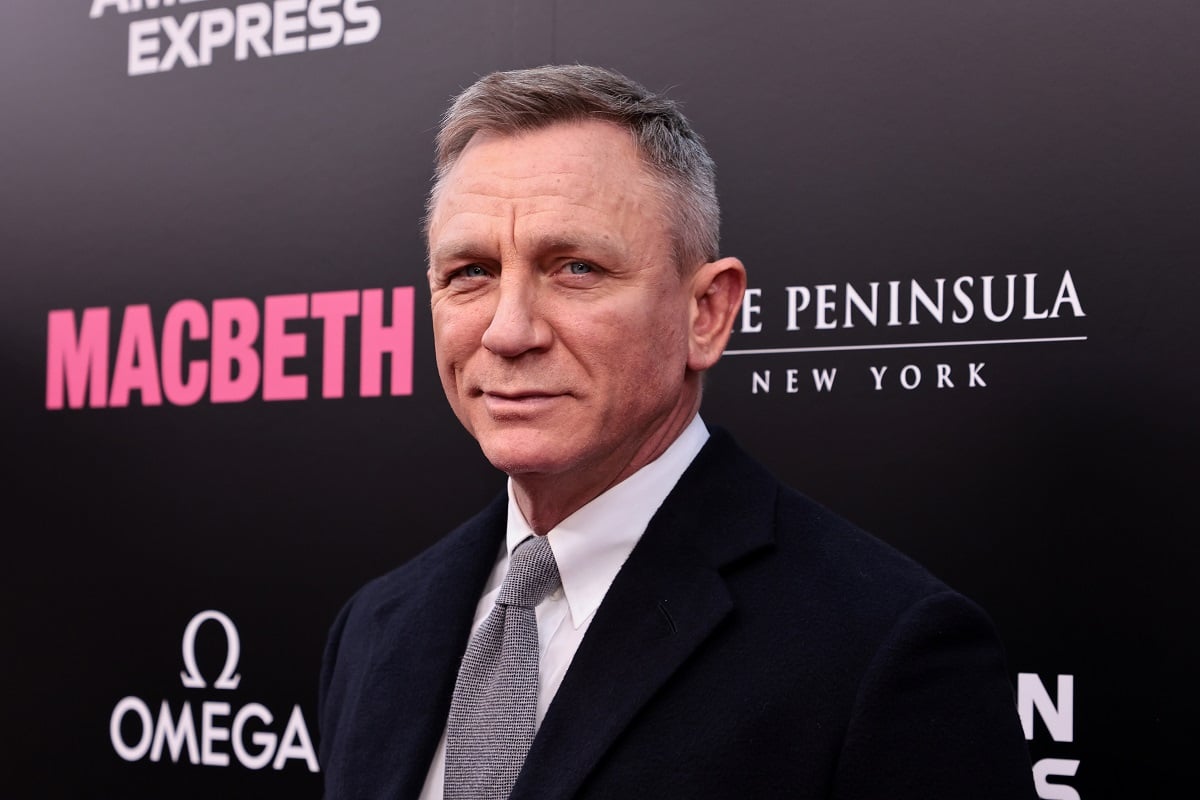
(665, 331)
(640, 353)
(456, 334)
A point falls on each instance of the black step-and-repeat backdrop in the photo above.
(972, 230)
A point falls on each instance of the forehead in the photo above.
(586, 173)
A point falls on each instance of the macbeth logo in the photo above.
(136, 733)
(231, 351)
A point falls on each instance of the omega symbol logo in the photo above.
(214, 733)
(228, 678)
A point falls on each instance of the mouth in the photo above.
(510, 403)
(509, 394)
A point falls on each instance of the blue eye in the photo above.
(473, 271)
(579, 268)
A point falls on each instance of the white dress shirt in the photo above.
(589, 546)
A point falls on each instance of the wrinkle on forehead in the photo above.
(543, 222)
(594, 187)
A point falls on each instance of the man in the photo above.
(707, 632)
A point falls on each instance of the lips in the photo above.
(519, 395)
(510, 403)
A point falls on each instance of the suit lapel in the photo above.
(419, 636)
(666, 600)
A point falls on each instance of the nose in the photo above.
(517, 326)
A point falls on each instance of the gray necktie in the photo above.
(494, 707)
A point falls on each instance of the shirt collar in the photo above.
(591, 545)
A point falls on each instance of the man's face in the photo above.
(560, 319)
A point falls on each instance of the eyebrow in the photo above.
(587, 243)
(467, 250)
(454, 250)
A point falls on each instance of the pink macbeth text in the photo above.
(249, 347)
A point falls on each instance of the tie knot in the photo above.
(532, 574)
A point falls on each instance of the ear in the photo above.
(717, 288)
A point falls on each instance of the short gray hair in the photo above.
(518, 101)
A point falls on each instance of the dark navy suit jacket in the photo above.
(754, 645)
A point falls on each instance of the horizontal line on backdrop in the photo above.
(899, 346)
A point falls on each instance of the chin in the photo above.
(518, 452)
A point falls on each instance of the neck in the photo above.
(547, 499)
